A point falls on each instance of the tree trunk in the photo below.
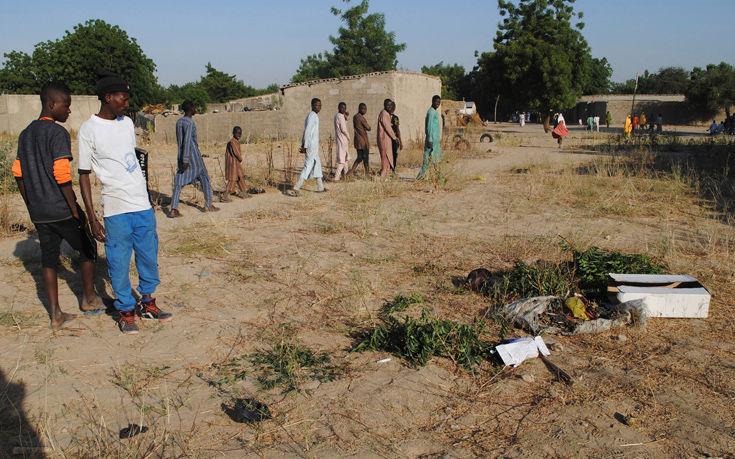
(547, 122)
(495, 115)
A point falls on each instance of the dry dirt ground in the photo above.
(318, 268)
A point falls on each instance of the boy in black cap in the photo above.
(107, 145)
(43, 172)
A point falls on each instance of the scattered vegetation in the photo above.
(418, 340)
(287, 364)
(586, 274)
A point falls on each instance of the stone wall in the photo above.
(411, 91)
(18, 110)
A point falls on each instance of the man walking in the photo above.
(191, 166)
(362, 143)
(432, 144)
(386, 137)
(396, 125)
(341, 140)
(310, 147)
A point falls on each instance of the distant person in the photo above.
(107, 145)
(385, 137)
(560, 129)
(361, 140)
(310, 147)
(642, 120)
(395, 123)
(341, 141)
(660, 123)
(634, 123)
(432, 142)
(590, 123)
(522, 119)
(233, 166)
(42, 169)
(191, 168)
(597, 123)
(712, 128)
(608, 119)
(628, 126)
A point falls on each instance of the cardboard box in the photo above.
(665, 295)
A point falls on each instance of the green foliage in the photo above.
(540, 59)
(289, 363)
(593, 265)
(400, 303)
(599, 77)
(453, 78)
(712, 88)
(417, 340)
(362, 46)
(74, 58)
(524, 281)
(222, 87)
(668, 80)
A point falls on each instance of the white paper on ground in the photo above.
(516, 350)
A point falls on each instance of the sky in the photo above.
(262, 42)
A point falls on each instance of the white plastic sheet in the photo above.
(516, 350)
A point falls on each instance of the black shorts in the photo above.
(363, 155)
(51, 234)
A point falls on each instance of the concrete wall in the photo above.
(18, 110)
(673, 109)
(411, 91)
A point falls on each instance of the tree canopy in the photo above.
(362, 46)
(453, 78)
(712, 88)
(540, 58)
(73, 58)
(668, 80)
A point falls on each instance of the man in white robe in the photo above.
(310, 146)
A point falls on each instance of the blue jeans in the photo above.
(132, 231)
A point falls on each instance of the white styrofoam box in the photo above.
(662, 294)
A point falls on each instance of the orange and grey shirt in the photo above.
(44, 163)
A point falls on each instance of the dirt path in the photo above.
(323, 264)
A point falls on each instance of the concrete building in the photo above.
(673, 108)
(18, 110)
(412, 93)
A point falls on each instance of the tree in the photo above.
(74, 58)
(712, 89)
(362, 46)
(452, 79)
(599, 77)
(222, 87)
(668, 80)
(540, 59)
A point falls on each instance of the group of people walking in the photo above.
(107, 145)
(388, 138)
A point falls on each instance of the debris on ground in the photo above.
(247, 410)
(665, 295)
(516, 350)
(132, 430)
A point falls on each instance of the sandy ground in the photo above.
(324, 264)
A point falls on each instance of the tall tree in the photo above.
(222, 87)
(712, 89)
(539, 56)
(73, 58)
(452, 78)
(362, 46)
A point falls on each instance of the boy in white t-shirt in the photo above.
(107, 145)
